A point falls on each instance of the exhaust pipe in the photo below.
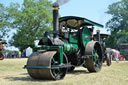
(55, 19)
(98, 35)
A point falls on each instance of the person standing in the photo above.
(117, 54)
(19, 53)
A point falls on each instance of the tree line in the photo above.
(118, 24)
(32, 18)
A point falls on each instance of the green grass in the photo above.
(12, 73)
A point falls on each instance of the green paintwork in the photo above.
(124, 51)
(70, 48)
(54, 62)
(59, 50)
(55, 67)
(93, 23)
(84, 35)
(61, 54)
(73, 39)
(95, 56)
(35, 67)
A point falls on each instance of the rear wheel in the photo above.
(108, 59)
(94, 52)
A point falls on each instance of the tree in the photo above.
(3, 21)
(30, 20)
(118, 24)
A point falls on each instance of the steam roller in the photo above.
(71, 45)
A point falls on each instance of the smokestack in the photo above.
(55, 18)
(98, 35)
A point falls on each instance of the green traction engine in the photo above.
(70, 44)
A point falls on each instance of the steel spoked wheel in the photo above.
(46, 66)
(94, 62)
(58, 73)
(108, 59)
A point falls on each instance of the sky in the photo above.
(91, 9)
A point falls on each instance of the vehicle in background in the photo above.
(123, 48)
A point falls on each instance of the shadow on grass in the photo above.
(26, 77)
(77, 72)
(104, 65)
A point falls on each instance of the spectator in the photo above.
(23, 54)
(15, 54)
(111, 53)
(116, 55)
(19, 53)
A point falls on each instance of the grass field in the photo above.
(12, 73)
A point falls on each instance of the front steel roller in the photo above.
(94, 52)
(45, 61)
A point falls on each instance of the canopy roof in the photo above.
(74, 21)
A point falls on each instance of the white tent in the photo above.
(29, 51)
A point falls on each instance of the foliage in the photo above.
(119, 22)
(30, 20)
(3, 21)
(116, 38)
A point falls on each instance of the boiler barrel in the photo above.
(70, 48)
